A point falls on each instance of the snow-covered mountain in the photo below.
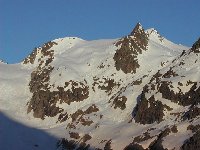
(137, 92)
(2, 62)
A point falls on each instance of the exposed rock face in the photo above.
(105, 84)
(63, 117)
(44, 50)
(193, 112)
(196, 46)
(65, 144)
(193, 128)
(74, 135)
(189, 98)
(140, 37)
(72, 144)
(134, 147)
(108, 145)
(145, 136)
(120, 102)
(193, 143)
(129, 48)
(149, 111)
(40, 78)
(43, 102)
(78, 92)
(157, 144)
(174, 129)
(80, 117)
(170, 73)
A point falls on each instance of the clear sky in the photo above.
(25, 24)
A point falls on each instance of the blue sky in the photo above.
(26, 24)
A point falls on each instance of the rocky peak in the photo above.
(153, 34)
(42, 51)
(139, 36)
(129, 47)
(196, 46)
(138, 28)
(152, 31)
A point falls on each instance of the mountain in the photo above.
(137, 92)
(2, 62)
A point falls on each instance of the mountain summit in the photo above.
(140, 91)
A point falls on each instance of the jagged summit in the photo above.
(154, 35)
(196, 45)
(152, 31)
(129, 47)
(139, 34)
(137, 28)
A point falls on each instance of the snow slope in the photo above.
(96, 94)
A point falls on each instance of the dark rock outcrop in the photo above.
(159, 84)
(63, 117)
(80, 117)
(65, 144)
(157, 144)
(74, 135)
(174, 129)
(134, 146)
(145, 136)
(191, 97)
(45, 51)
(105, 84)
(108, 145)
(193, 143)
(194, 128)
(170, 73)
(193, 112)
(148, 111)
(120, 102)
(43, 102)
(196, 46)
(129, 48)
